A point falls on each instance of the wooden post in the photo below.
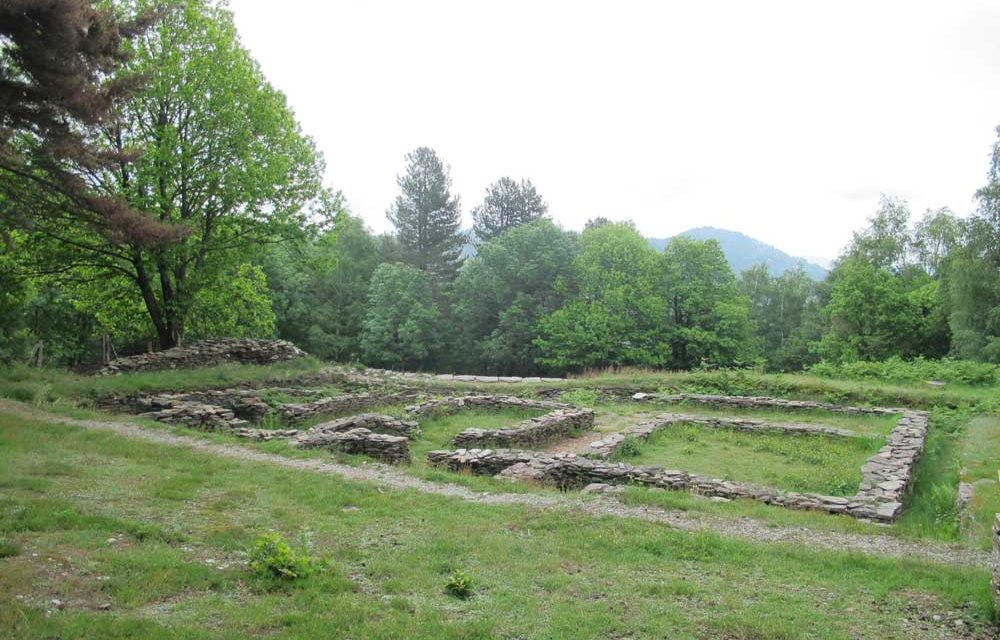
(996, 563)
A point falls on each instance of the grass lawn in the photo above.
(138, 541)
(809, 463)
(438, 430)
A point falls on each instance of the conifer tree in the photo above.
(507, 204)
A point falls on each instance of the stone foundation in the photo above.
(264, 435)
(297, 413)
(886, 476)
(452, 404)
(390, 449)
(761, 402)
(606, 447)
(318, 435)
(561, 423)
(243, 403)
(206, 353)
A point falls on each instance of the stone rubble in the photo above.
(196, 414)
(606, 447)
(242, 403)
(318, 435)
(265, 435)
(452, 404)
(207, 353)
(383, 447)
(298, 413)
(561, 423)
(761, 402)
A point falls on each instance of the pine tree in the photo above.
(427, 217)
(507, 204)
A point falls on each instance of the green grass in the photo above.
(389, 556)
(980, 465)
(805, 463)
(438, 430)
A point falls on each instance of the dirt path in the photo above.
(745, 528)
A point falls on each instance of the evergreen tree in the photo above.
(427, 217)
(507, 204)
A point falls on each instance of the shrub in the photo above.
(977, 374)
(629, 448)
(580, 397)
(459, 585)
(9, 548)
(271, 557)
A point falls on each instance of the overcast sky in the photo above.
(783, 120)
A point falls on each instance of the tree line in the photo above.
(156, 189)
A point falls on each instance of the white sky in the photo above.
(783, 120)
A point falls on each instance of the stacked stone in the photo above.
(208, 352)
(390, 449)
(761, 402)
(606, 447)
(242, 402)
(265, 435)
(195, 414)
(319, 435)
(447, 377)
(557, 424)
(886, 476)
(297, 413)
(452, 404)
(570, 470)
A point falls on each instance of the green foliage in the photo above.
(581, 397)
(402, 324)
(319, 286)
(507, 204)
(917, 370)
(707, 316)
(239, 306)
(9, 548)
(427, 217)
(614, 314)
(501, 293)
(629, 448)
(785, 311)
(271, 557)
(459, 585)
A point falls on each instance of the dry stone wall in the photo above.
(560, 423)
(196, 414)
(387, 448)
(265, 435)
(244, 404)
(606, 447)
(761, 402)
(318, 435)
(208, 352)
(298, 413)
(452, 404)
(885, 476)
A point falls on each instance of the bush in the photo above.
(629, 448)
(978, 374)
(459, 585)
(271, 557)
(580, 397)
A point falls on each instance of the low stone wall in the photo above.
(560, 423)
(208, 352)
(452, 404)
(572, 471)
(886, 476)
(606, 447)
(761, 402)
(265, 435)
(297, 413)
(318, 435)
(242, 402)
(390, 449)
(195, 414)
(448, 377)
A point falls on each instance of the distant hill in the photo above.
(743, 252)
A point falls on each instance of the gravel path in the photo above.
(744, 528)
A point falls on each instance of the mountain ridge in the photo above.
(743, 251)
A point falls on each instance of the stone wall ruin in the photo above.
(561, 423)
(207, 353)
